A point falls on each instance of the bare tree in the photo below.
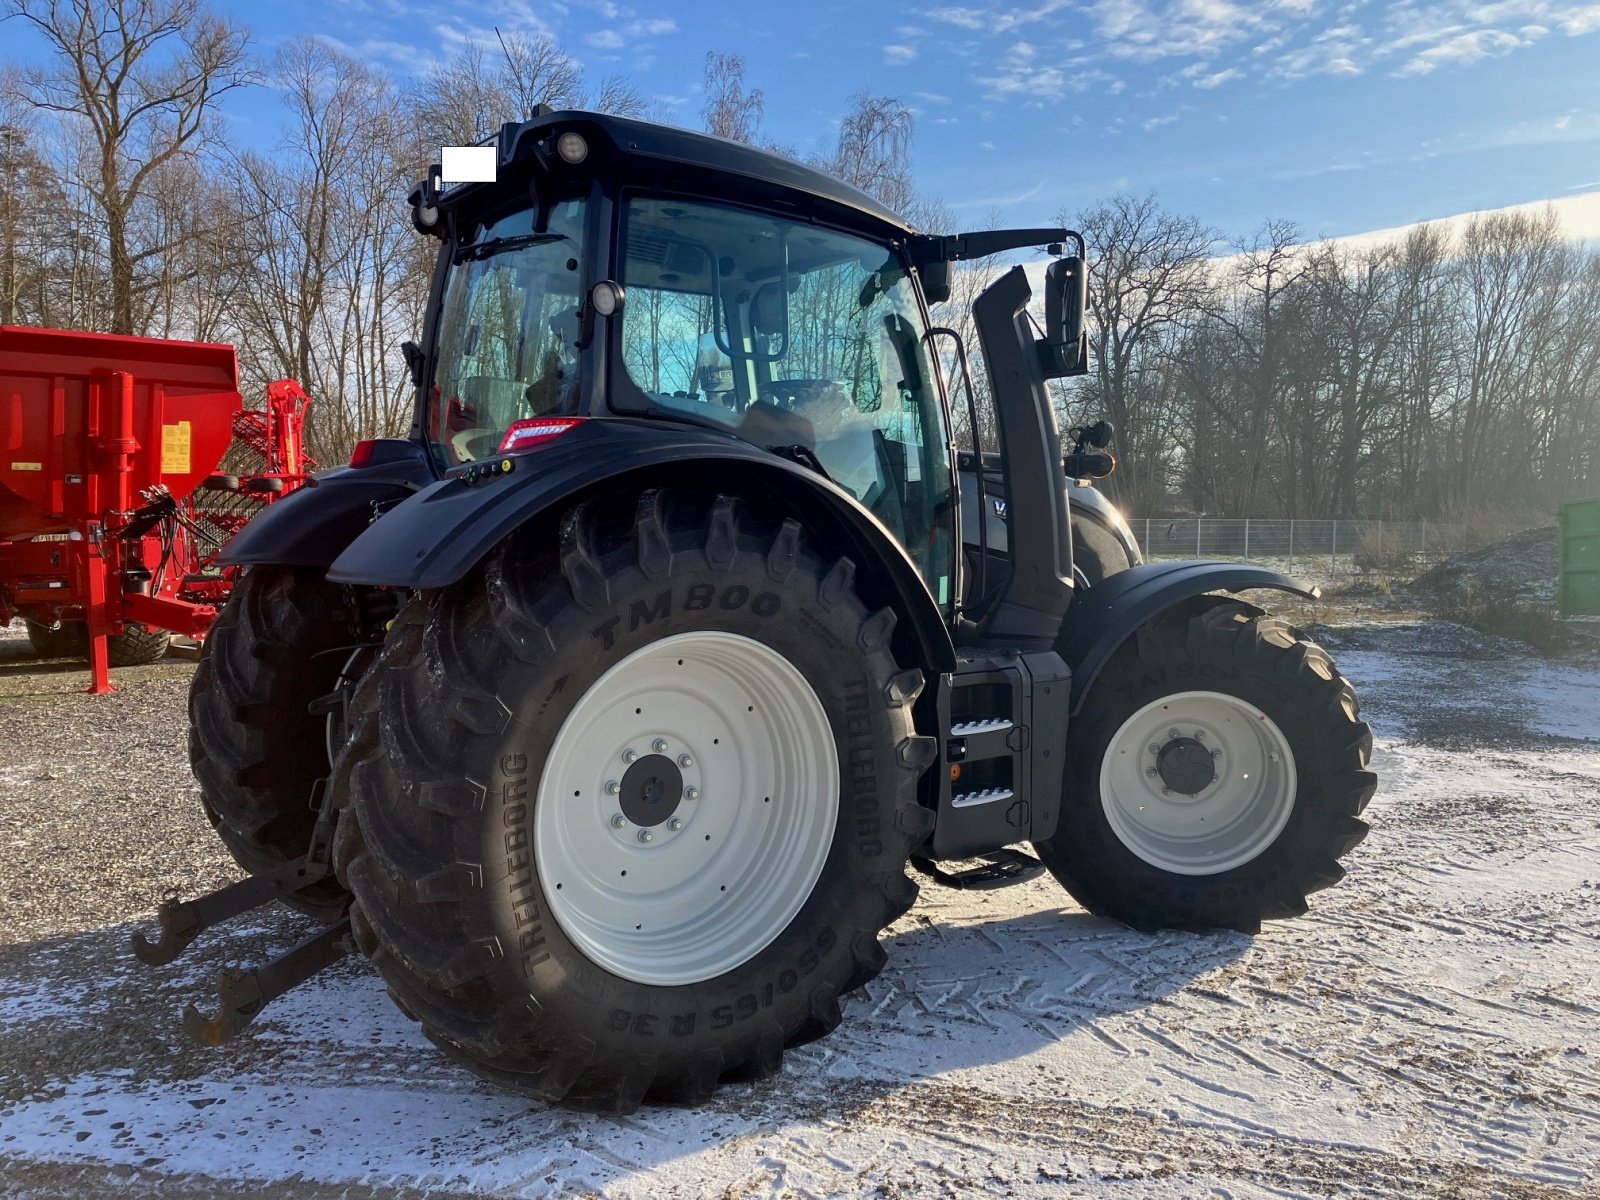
(874, 150)
(1149, 276)
(731, 110)
(144, 76)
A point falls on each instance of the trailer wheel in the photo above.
(134, 647)
(254, 745)
(65, 641)
(631, 811)
(1214, 778)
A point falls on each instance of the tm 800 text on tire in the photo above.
(632, 809)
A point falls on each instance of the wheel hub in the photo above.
(687, 807)
(1198, 783)
(1186, 766)
(651, 791)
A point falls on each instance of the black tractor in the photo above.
(615, 712)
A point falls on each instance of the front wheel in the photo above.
(1214, 778)
(632, 808)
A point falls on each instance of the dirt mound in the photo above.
(1524, 567)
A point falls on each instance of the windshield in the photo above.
(507, 329)
(801, 340)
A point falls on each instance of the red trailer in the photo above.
(104, 441)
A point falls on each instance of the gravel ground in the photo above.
(114, 774)
(1432, 1027)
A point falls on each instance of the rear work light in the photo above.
(535, 431)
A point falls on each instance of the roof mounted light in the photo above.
(572, 148)
(427, 215)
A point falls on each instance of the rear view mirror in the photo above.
(1066, 298)
(936, 281)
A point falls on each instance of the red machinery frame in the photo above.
(104, 441)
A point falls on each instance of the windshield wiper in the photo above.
(513, 242)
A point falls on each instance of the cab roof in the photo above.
(694, 161)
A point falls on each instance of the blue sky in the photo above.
(1340, 116)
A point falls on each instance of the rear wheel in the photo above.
(1214, 778)
(255, 746)
(135, 646)
(630, 813)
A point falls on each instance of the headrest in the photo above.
(766, 309)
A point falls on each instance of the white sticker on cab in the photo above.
(467, 164)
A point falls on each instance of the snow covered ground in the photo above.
(1431, 1028)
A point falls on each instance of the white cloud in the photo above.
(961, 18)
(1463, 50)
(898, 56)
(605, 39)
(1580, 20)
(652, 27)
(1221, 41)
(1158, 122)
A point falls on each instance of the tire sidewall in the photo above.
(822, 640)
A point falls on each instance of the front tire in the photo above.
(504, 888)
(1214, 778)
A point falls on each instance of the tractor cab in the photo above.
(597, 278)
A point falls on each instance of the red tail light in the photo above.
(535, 431)
(362, 454)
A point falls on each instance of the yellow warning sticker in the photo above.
(22, 466)
(175, 443)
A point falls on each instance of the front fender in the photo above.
(437, 536)
(312, 525)
(1103, 617)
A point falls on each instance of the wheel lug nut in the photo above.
(675, 824)
(659, 745)
(646, 836)
(619, 822)
(1199, 735)
(685, 760)
(1154, 749)
(1152, 772)
(612, 787)
(1173, 732)
(630, 755)
(691, 793)
(1216, 753)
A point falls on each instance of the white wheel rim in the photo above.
(1148, 773)
(745, 843)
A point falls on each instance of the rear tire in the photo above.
(136, 646)
(254, 745)
(486, 841)
(1282, 757)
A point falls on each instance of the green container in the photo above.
(1580, 557)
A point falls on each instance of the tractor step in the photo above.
(184, 920)
(1001, 868)
(243, 994)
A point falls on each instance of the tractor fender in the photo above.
(437, 536)
(313, 524)
(1103, 618)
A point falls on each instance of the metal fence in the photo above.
(1339, 546)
